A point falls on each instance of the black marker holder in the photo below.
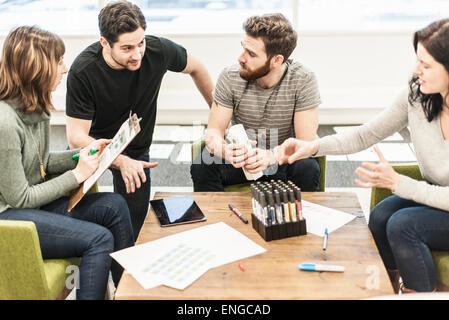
(279, 231)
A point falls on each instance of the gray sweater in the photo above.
(21, 184)
(432, 151)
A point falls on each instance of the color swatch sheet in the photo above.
(178, 260)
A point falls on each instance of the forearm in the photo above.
(204, 83)
(423, 192)
(389, 121)
(19, 194)
(60, 162)
(79, 140)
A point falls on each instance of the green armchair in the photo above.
(24, 275)
(440, 258)
(199, 145)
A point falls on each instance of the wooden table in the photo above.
(274, 274)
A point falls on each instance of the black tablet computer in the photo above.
(177, 210)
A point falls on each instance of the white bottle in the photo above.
(238, 134)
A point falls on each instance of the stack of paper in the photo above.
(178, 260)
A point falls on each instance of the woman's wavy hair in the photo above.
(29, 66)
(435, 38)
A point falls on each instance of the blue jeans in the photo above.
(137, 201)
(97, 226)
(210, 173)
(405, 232)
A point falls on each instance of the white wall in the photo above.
(359, 74)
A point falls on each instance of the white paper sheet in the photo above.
(318, 218)
(122, 138)
(178, 267)
(221, 241)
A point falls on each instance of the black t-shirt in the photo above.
(104, 95)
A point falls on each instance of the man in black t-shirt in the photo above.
(123, 72)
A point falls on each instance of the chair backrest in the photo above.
(22, 273)
(408, 169)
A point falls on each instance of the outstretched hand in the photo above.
(294, 149)
(381, 175)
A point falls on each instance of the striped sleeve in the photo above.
(222, 93)
(308, 96)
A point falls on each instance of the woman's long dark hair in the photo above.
(435, 38)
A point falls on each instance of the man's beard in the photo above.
(123, 65)
(249, 75)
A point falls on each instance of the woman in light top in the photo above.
(31, 67)
(415, 219)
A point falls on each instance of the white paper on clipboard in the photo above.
(129, 129)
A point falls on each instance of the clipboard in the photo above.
(127, 132)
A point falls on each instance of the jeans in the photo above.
(405, 232)
(137, 201)
(97, 226)
(211, 173)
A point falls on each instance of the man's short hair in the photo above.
(120, 17)
(276, 32)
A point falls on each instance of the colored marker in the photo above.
(285, 205)
(307, 266)
(298, 203)
(292, 206)
(91, 152)
(271, 210)
(263, 208)
(325, 239)
(241, 216)
(279, 213)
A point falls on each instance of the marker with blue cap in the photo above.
(308, 266)
(326, 234)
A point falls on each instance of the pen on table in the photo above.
(91, 152)
(233, 209)
(325, 239)
(308, 266)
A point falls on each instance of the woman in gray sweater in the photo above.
(31, 67)
(415, 220)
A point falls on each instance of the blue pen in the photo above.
(325, 240)
(309, 266)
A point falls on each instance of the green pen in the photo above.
(91, 152)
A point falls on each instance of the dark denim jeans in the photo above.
(138, 201)
(97, 226)
(210, 173)
(405, 232)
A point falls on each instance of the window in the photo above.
(206, 16)
(227, 16)
(61, 16)
(369, 15)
